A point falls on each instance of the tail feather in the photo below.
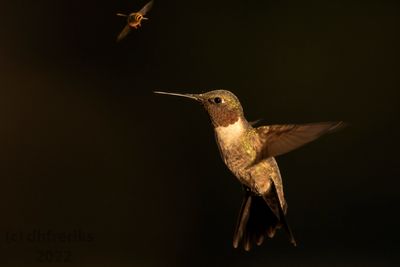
(282, 213)
(256, 221)
(242, 219)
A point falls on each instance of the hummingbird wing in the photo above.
(123, 33)
(255, 122)
(280, 139)
(259, 217)
(146, 8)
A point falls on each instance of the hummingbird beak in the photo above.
(196, 97)
(145, 18)
(121, 15)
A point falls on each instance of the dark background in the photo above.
(85, 144)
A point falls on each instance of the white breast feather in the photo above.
(230, 133)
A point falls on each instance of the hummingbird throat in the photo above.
(223, 118)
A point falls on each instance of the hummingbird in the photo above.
(134, 20)
(249, 153)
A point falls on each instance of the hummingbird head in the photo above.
(222, 106)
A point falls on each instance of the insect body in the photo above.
(134, 20)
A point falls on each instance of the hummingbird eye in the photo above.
(217, 100)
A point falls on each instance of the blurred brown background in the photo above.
(84, 144)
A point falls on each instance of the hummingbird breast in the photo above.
(239, 145)
(236, 146)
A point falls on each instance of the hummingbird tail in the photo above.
(257, 220)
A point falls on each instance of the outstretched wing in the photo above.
(146, 8)
(123, 33)
(280, 139)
